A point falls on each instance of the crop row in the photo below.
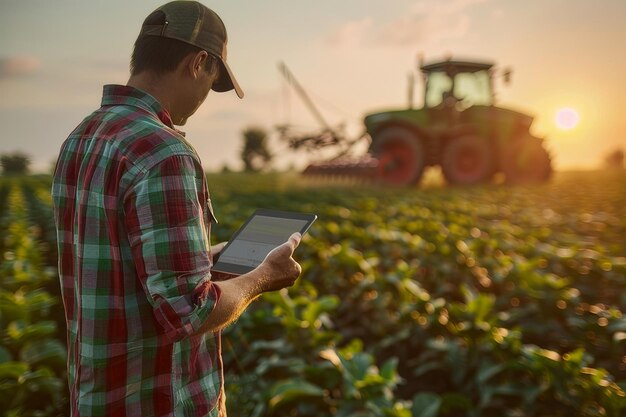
(32, 350)
(487, 301)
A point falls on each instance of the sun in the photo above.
(566, 118)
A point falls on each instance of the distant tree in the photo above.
(255, 153)
(14, 163)
(615, 159)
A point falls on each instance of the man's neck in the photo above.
(158, 86)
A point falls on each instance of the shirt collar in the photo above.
(130, 96)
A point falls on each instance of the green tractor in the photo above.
(460, 129)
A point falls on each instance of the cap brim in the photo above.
(227, 81)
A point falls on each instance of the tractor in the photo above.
(459, 128)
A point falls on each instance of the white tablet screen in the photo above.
(258, 238)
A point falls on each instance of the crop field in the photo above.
(481, 301)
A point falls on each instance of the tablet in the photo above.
(262, 232)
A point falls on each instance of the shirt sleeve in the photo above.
(169, 240)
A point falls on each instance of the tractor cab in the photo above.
(457, 84)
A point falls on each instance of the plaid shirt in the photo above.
(133, 215)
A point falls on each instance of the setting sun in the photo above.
(566, 118)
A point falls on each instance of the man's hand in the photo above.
(216, 250)
(280, 270)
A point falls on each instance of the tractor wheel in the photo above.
(527, 161)
(467, 160)
(400, 156)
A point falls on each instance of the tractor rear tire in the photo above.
(467, 160)
(400, 155)
(527, 162)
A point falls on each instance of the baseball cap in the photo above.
(197, 25)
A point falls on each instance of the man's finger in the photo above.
(295, 239)
(287, 248)
(218, 247)
(293, 242)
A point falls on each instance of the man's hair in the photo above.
(161, 55)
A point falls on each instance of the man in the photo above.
(133, 217)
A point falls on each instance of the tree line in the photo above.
(255, 155)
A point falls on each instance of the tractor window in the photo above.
(437, 86)
(473, 89)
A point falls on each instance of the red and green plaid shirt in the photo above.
(133, 216)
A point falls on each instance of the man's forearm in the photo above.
(236, 294)
(277, 271)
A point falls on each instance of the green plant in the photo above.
(32, 360)
(489, 301)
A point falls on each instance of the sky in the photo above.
(353, 57)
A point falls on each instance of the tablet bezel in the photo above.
(235, 269)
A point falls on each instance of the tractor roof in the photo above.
(454, 66)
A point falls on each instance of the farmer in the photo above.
(133, 218)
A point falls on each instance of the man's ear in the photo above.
(197, 62)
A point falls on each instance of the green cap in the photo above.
(197, 25)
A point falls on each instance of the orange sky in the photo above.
(352, 56)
